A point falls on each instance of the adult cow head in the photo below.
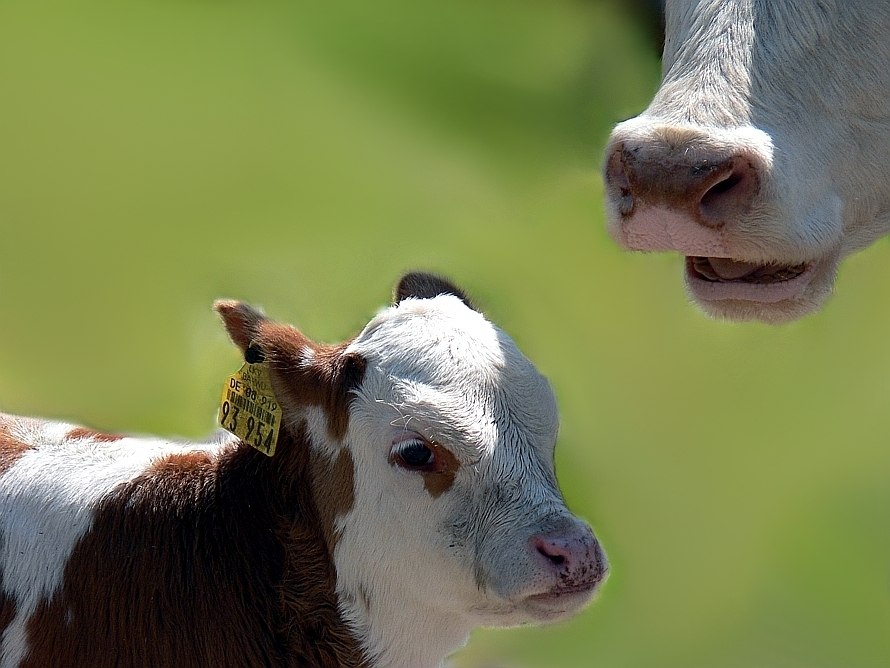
(763, 157)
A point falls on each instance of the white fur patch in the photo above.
(48, 497)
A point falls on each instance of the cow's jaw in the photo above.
(558, 605)
(546, 607)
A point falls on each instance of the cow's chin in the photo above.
(543, 608)
(774, 293)
(554, 607)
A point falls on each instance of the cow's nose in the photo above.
(712, 185)
(570, 552)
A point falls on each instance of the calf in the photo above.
(763, 157)
(411, 497)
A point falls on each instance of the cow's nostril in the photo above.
(730, 196)
(723, 186)
(618, 183)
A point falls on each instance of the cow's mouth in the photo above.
(725, 270)
(717, 278)
(584, 588)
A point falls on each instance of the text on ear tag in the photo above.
(248, 407)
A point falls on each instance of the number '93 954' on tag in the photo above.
(248, 407)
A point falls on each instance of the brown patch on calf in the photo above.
(312, 626)
(334, 491)
(203, 560)
(10, 451)
(309, 374)
(11, 448)
(441, 478)
(180, 465)
(84, 434)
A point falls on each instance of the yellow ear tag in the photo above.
(248, 407)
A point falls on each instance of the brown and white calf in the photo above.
(763, 157)
(411, 498)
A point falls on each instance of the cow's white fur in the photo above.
(812, 81)
(49, 496)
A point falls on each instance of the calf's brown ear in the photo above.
(304, 373)
(421, 285)
(282, 345)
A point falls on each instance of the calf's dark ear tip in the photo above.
(423, 285)
(230, 307)
(241, 320)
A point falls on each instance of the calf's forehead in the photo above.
(427, 338)
(440, 363)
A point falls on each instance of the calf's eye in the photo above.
(414, 454)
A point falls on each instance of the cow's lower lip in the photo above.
(717, 279)
(559, 603)
(564, 592)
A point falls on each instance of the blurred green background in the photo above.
(157, 154)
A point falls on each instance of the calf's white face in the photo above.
(456, 502)
(763, 156)
(456, 509)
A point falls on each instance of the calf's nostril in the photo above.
(557, 551)
(555, 559)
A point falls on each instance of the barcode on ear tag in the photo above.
(248, 408)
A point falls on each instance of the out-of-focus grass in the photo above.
(156, 155)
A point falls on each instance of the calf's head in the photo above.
(762, 157)
(456, 518)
